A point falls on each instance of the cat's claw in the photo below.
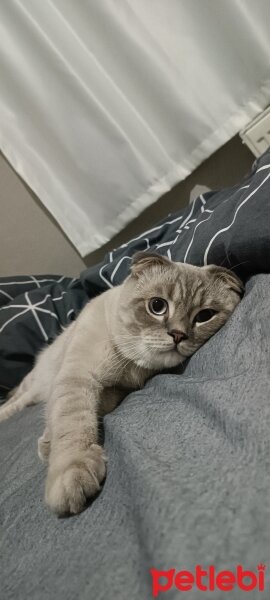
(68, 489)
(44, 446)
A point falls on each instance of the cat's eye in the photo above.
(158, 306)
(204, 315)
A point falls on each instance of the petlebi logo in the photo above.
(208, 579)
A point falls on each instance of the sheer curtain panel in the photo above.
(106, 104)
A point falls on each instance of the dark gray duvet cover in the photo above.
(188, 480)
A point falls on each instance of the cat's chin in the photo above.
(162, 360)
(173, 358)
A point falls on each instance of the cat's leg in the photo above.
(77, 464)
(22, 396)
(36, 385)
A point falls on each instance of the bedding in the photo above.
(188, 480)
(230, 227)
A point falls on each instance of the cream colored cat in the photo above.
(162, 313)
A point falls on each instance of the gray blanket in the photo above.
(188, 480)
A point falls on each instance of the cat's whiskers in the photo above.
(120, 361)
(132, 358)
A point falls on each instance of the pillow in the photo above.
(229, 227)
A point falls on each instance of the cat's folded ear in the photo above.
(144, 260)
(232, 281)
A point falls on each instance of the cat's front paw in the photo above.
(69, 487)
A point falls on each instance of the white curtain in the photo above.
(105, 104)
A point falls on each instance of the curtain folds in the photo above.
(104, 106)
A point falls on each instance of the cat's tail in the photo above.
(18, 398)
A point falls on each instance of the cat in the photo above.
(158, 317)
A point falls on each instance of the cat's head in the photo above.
(167, 310)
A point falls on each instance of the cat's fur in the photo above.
(114, 346)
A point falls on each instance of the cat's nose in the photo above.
(177, 335)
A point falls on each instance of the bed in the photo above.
(188, 479)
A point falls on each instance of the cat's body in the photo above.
(120, 339)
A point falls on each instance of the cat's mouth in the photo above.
(175, 350)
